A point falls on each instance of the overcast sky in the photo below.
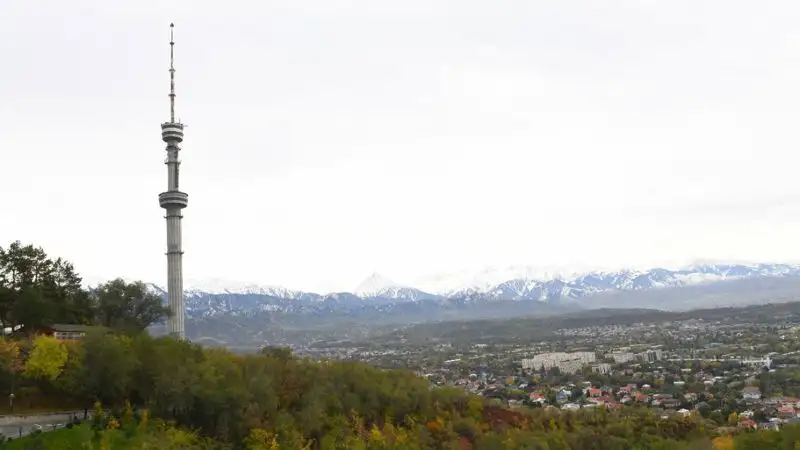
(328, 139)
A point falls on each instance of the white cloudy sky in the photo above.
(328, 139)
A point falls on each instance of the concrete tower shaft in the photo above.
(173, 201)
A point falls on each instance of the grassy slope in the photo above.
(58, 439)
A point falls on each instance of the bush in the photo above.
(466, 428)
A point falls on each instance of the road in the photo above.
(22, 425)
(16, 431)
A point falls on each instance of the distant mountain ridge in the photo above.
(378, 295)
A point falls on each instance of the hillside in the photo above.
(532, 329)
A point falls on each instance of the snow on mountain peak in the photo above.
(486, 279)
(495, 283)
(219, 286)
(375, 284)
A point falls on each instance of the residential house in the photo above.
(563, 396)
(786, 412)
(769, 426)
(748, 424)
(66, 332)
(537, 397)
(751, 393)
(671, 403)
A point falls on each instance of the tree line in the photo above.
(37, 291)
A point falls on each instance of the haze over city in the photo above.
(327, 140)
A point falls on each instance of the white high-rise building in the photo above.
(566, 362)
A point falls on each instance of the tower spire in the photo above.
(172, 73)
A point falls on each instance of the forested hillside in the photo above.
(274, 400)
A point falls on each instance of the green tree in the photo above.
(281, 353)
(765, 383)
(259, 439)
(73, 381)
(109, 365)
(37, 291)
(128, 307)
(46, 360)
(32, 310)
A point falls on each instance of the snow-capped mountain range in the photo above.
(378, 294)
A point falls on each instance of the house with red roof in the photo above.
(748, 424)
(786, 412)
(537, 397)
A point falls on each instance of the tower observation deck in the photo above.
(173, 201)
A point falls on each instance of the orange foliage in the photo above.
(10, 356)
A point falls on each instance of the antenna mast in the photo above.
(171, 73)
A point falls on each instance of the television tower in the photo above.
(173, 201)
